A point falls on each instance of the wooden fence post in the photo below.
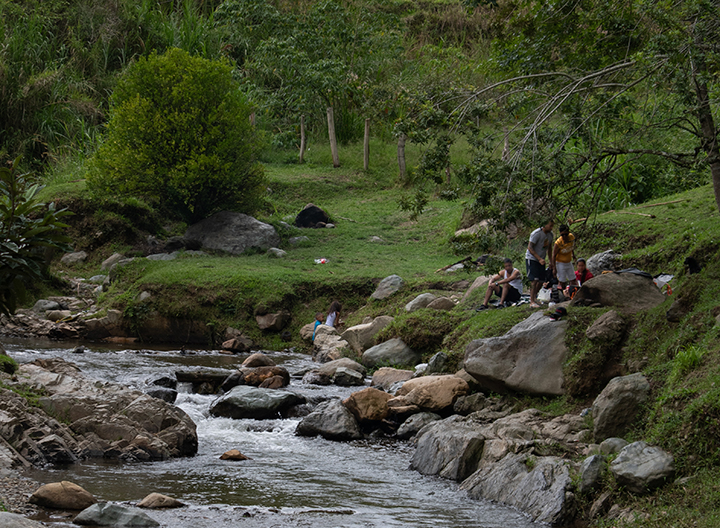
(401, 155)
(302, 139)
(366, 146)
(333, 141)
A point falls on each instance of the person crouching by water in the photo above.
(507, 285)
(333, 317)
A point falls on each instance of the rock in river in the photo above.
(332, 421)
(252, 402)
(391, 352)
(62, 496)
(108, 514)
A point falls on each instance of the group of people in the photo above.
(542, 250)
(333, 317)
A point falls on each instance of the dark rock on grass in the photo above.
(591, 471)
(232, 233)
(627, 292)
(311, 216)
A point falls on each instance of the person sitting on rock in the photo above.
(582, 275)
(333, 317)
(318, 321)
(507, 285)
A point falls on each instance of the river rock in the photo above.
(442, 303)
(609, 327)
(62, 496)
(162, 393)
(388, 287)
(538, 486)
(13, 520)
(252, 402)
(258, 359)
(332, 421)
(256, 376)
(472, 382)
(368, 405)
(529, 358)
(431, 393)
(43, 305)
(203, 378)
(273, 322)
(111, 260)
(436, 364)
(70, 259)
(328, 345)
(233, 454)
(392, 352)
(233, 233)
(108, 514)
(57, 315)
(465, 405)
(641, 468)
(611, 446)
(109, 325)
(591, 471)
(157, 501)
(605, 261)
(361, 337)
(419, 302)
(414, 423)
(315, 378)
(100, 419)
(312, 216)
(386, 377)
(329, 368)
(307, 331)
(617, 406)
(238, 344)
(273, 382)
(346, 377)
(628, 292)
(449, 449)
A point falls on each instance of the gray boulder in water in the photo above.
(252, 402)
(13, 520)
(331, 420)
(107, 514)
(233, 233)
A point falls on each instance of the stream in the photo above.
(289, 481)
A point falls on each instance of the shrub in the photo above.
(179, 133)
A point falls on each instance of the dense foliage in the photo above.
(27, 229)
(180, 134)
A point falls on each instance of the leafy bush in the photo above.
(180, 133)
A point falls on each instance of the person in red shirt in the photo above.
(582, 274)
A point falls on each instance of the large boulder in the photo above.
(332, 421)
(328, 345)
(252, 402)
(312, 216)
(273, 322)
(628, 292)
(641, 468)
(368, 405)
(386, 377)
(529, 358)
(388, 287)
(392, 352)
(238, 344)
(449, 448)
(609, 327)
(539, 486)
(431, 393)
(617, 406)
(346, 377)
(108, 514)
(361, 337)
(421, 301)
(479, 283)
(233, 233)
(62, 496)
(13, 520)
(258, 359)
(415, 423)
(605, 261)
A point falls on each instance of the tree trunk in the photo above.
(401, 155)
(303, 143)
(333, 140)
(366, 146)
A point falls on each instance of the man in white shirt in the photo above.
(507, 285)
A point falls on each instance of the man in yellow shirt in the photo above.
(563, 256)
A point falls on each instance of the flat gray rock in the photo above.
(13, 520)
(245, 401)
(529, 358)
(388, 287)
(108, 514)
(393, 352)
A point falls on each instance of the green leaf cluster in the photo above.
(180, 134)
(27, 229)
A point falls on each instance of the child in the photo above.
(318, 322)
(582, 275)
(333, 317)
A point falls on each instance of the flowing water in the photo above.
(289, 481)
